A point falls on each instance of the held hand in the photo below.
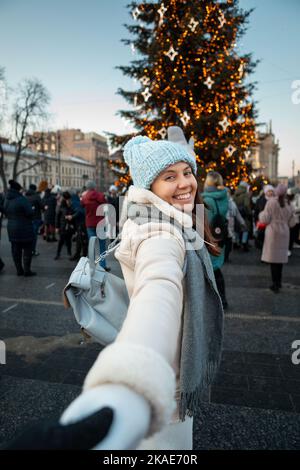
(131, 414)
(82, 435)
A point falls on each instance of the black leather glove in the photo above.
(82, 435)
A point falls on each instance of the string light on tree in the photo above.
(199, 85)
(132, 48)
(171, 53)
(209, 83)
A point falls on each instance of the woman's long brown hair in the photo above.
(215, 249)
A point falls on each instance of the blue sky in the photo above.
(73, 46)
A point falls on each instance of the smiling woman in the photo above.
(168, 349)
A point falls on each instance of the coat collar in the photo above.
(144, 196)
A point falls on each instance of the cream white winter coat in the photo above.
(146, 353)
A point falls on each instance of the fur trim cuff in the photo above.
(144, 371)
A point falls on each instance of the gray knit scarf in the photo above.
(202, 324)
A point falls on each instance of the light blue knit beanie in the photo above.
(147, 158)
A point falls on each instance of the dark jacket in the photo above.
(19, 215)
(64, 225)
(36, 203)
(91, 200)
(49, 205)
(259, 206)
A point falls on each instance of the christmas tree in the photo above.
(190, 75)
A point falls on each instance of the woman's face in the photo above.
(270, 193)
(176, 185)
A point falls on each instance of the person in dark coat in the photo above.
(19, 214)
(78, 219)
(63, 225)
(36, 204)
(1, 216)
(49, 206)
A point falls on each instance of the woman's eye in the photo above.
(187, 173)
(169, 178)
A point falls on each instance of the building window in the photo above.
(53, 147)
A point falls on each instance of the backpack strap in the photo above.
(109, 250)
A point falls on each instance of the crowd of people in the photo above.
(66, 217)
(272, 220)
(70, 218)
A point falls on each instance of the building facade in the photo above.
(90, 146)
(264, 156)
(67, 172)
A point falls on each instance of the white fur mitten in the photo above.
(132, 414)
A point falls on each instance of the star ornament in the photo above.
(247, 153)
(171, 53)
(193, 24)
(230, 149)
(224, 124)
(145, 80)
(132, 48)
(185, 118)
(136, 13)
(241, 70)
(163, 132)
(162, 10)
(209, 83)
(222, 20)
(146, 94)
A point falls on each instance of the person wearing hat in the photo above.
(92, 200)
(19, 215)
(279, 218)
(168, 350)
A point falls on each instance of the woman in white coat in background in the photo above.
(168, 350)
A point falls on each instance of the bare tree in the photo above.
(29, 112)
